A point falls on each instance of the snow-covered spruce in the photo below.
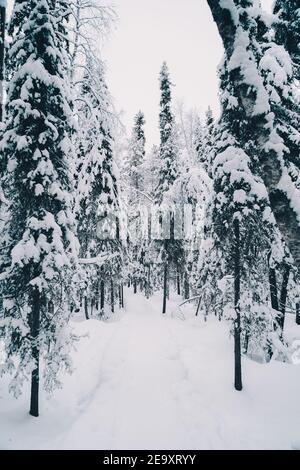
(97, 189)
(136, 205)
(260, 83)
(169, 256)
(39, 238)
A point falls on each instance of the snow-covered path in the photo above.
(141, 370)
(153, 382)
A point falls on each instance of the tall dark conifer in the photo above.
(169, 248)
(41, 245)
(97, 187)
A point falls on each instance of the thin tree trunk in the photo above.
(102, 296)
(178, 284)
(168, 287)
(35, 375)
(198, 306)
(92, 308)
(134, 286)
(274, 302)
(237, 323)
(273, 289)
(186, 287)
(165, 288)
(112, 296)
(298, 313)
(122, 296)
(97, 296)
(86, 308)
(283, 298)
(2, 52)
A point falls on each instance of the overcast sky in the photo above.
(148, 32)
(182, 33)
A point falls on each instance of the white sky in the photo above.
(148, 32)
(183, 33)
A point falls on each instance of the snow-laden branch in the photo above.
(132, 188)
(189, 300)
(99, 260)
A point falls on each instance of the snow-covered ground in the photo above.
(144, 381)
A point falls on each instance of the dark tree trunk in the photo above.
(168, 287)
(198, 306)
(283, 298)
(122, 296)
(147, 283)
(237, 323)
(186, 287)
(34, 332)
(178, 284)
(102, 296)
(273, 289)
(298, 313)
(246, 344)
(274, 302)
(2, 51)
(86, 308)
(134, 286)
(92, 307)
(165, 288)
(96, 300)
(112, 296)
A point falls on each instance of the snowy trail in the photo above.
(149, 381)
(143, 368)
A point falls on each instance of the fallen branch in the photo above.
(190, 300)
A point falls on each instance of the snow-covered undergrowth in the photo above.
(147, 381)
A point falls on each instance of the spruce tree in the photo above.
(261, 83)
(241, 199)
(288, 29)
(205, 152)
(40, 233)
(168, 170)
(170, 250)
(133, 168)
(97, 192)
(136, 154)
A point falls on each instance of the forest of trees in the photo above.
(212, 213)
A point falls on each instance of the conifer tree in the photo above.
(205, 152)
(97, 185)
(40, 233)
(136, 153)
(288, 30)
(241, 200)
(133, 168)
(170, 251)
(267, 70)
(168, 170)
